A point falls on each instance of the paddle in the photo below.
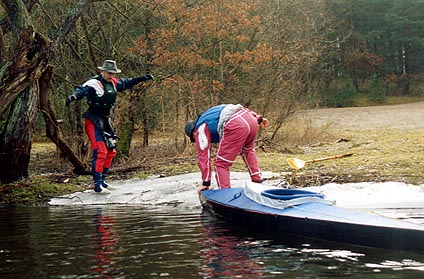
(298, 164)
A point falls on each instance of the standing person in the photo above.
(234, 127)
(101, 91)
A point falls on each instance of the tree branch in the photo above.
(18, 15)
(52, 130)
(68, 24)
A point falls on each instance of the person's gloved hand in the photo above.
(205, 186)
(149, 77)
(264, 123)
(70, 99)
(201, 188)
(144, 78)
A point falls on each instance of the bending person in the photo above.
(234, 127)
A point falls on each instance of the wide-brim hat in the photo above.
(109, 66)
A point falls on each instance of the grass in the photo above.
(378, 156)
(36, 191)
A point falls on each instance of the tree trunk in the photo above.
(15, 144)
(19, 87)
(126, 132)
(24, 68)
(145, 122)
(19, 93)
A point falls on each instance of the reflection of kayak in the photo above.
(310, 214)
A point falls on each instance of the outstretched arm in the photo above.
(128, 83)
(79, 93)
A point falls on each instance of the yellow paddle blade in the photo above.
(296, 163)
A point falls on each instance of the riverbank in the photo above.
(386, 142)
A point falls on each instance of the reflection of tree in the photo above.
(104, 246)
(225, 254)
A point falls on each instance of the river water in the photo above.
(176, 241)
(137, 242)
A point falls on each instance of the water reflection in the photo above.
(136, 242)
(104, 245)
(230, 252)
(224, 255)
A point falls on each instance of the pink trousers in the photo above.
(238, 138)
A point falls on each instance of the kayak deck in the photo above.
(318, 220)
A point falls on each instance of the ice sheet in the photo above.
(180, 191)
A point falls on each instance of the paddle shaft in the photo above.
(329, 158)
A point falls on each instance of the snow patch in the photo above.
(373, 195)
(180, 191)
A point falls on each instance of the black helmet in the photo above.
(189, 129)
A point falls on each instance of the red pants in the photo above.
(102, 156)
(238, 137)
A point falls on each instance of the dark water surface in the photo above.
(135, 242)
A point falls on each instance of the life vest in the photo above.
(102, 98)
(211, 118)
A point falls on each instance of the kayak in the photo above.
(310, 214)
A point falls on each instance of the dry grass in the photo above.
(378, 156)
(387, 143)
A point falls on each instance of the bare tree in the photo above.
(28, 57)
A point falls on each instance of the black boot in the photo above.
(104, 183)
(98, 183)
(104, 175)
